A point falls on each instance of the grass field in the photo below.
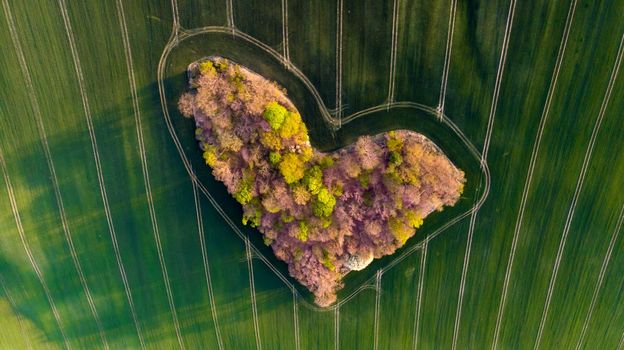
(107, 242)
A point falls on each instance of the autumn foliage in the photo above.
(318, 211)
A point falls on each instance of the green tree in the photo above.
(313, 179)
(275, 114)
(324, 203)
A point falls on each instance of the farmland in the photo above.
(114, 235)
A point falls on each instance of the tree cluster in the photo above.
(316, 210)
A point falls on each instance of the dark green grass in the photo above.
(421, 46)
(261, 19)
(312, 44)
(474, 60)
(366, 42)
(201, 13)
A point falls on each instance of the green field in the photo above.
(108, 242)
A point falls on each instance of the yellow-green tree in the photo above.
(292, 167)
(275, 114)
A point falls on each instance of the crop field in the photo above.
(113, 234)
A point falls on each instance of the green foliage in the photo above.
(413, 219)
(327, 262)
(394, 142)
(395, 158)
(313, 179)
(368, 198)
(364, 179)
(275, 114)
(292, 167)
(274, 157)
(287, 218)
(392, 174)
(291, 125)
(326, 162)
(297, 254)
(207, 68)
(237, 79)
(324, 204)
(410, 174)
(253, 219)
(245, 190)
(306, 153)
(302, 232)
(337, 190)
(326, 222)
(271, 140)
(210, 155)
(400, 172)
(400, 230)
(244, 195)
(221, 65)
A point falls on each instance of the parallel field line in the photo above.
(339, 23)
(50, 163)
(529, 177)
(296, 319)
(421, 284)
(176, 15)
(393, 50)
(447, 56)
(285, 32)
(337, 328)
(599, 283)
(377, 307)
(486, 145)
(577, 191)
(24, 241)
(204, 251)
(252, 291)
(229, 12)
(142, 155)
(87, 112)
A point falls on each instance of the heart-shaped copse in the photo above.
(324, 214)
